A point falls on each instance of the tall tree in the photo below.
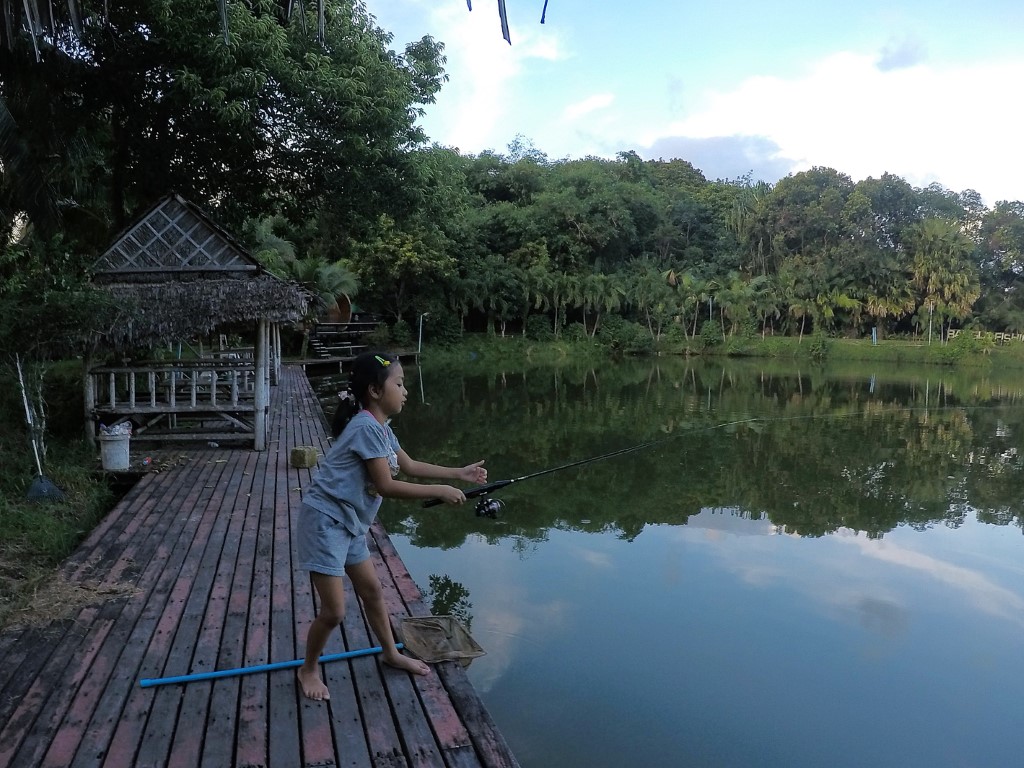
(947, 280)
(274, 120)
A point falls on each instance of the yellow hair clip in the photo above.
(382, 361)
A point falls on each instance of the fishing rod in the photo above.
(490, 507)
(487, 507)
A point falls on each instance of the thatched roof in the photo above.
(175, 273)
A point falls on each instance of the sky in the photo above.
(928, 90)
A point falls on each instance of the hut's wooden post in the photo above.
(275, 353)
(90, 400)
(277, 356)
(262, 394)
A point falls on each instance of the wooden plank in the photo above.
(181, 620)
(252, 742)
(10, 641)
(374, 709)
(285, 738)
(218, 747)
(25, 660)
(198, 712)
(116, 672)
(189, 409)
(150, 639)
(90, 681)
(111, 533)
(413, 727)
(317, 735)
(47, 700)
(154, 634)
(451, 733)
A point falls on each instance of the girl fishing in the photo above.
(359, 470)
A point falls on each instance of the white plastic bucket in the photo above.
(114, 451)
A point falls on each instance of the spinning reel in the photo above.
(488, 507)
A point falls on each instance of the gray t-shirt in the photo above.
(341, 488)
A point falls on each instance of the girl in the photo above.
(360, 468)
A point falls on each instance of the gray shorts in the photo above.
(324, 545)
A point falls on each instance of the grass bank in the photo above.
(963, 351)
(36, 536)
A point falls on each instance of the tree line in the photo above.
(297, 129)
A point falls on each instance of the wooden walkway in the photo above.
(207, 549)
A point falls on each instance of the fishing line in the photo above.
(489, 507)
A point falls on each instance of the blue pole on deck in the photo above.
(149, 682)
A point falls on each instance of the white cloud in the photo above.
(920, 122)
(477, 103)
(588, 105)
(982, 592)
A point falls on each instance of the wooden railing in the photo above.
(173, 387)
(342, 339)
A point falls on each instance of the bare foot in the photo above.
(398, 661)
(312, 686)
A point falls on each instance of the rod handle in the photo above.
(472, 493)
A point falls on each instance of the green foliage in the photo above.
(674, 334)
(443, 330)
(310, 149)
(738, 346)
(819, 347)
(575, 333)
(961, 348)
(538, 328)
(625, 337)
(401, 334)
(710, 334)
(379, 337)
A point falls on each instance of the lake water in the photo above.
(818, 567)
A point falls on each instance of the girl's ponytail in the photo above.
(348, 407)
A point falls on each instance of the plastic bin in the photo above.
(114, 451)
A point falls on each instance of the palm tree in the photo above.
(688, 290)
(799, 308)
(896, 302)
(738, 299)
(270, 249)
(325, 282)
(766, 303)
(600, 293)
(948, 281)
(749, 221)
(704, 290)
(554, 291)
(826, 303)
(649, 293)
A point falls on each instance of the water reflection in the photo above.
(809, 451)
(810, 567)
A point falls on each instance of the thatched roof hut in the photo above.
(175, 273)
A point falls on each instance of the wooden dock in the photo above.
(205, 550)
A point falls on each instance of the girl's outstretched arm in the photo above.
(389, 487)
(471, 473)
